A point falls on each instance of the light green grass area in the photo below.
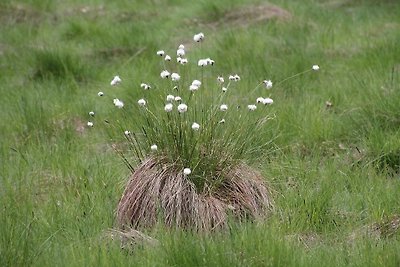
(334, 169)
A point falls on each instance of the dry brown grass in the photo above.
(159, 193)
(129, 239)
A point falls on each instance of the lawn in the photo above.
(333, 159)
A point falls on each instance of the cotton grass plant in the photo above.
(188, 142)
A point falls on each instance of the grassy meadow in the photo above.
(334, 159)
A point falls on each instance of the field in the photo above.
(334, 155)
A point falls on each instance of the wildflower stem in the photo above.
(293, 76)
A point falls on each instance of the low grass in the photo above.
(334, 169)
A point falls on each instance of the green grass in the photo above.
(335, 171)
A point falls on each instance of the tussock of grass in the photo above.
(159, 192)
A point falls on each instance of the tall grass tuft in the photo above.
(188, 150)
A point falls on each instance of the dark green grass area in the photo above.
(334, 163)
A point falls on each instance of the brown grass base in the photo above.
(159, 193)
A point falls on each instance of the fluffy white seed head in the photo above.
(180, 52)
(154, 147)
(184, 61)
(193, 87)
(100, 93)
(182, 108)
(223, 107)
(145, 86)
(175, 77)
(178, 98)
(195, 126)
(181, 46)
(116, 80)
(268, 101)
(315, 67)
(127, 132)
(187, 171)
(220, 79)
(268, 84)
(221, 121)
(167, 58)
(210, 61)
(165, 74)
(198, 37)
(160, 53)
(202, 62)
(252, 107)
(91, 113)
(118, 103)
(90, 124)
(224, 89)
(196, 82)
(142, 102)
(168, 107)
(170, 98)
(260, 100)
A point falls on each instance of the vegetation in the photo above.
(333, 161)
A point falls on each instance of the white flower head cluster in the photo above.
(100, 93)
(168, 107)
(178, 98)
(260, 100)
(183, 61)
(167, 58)
(118, 103)
(265, 101)
(145, 86)
(268, 101)
(165, 74)
(187, 171)
(170, 98)
(142, 102)
(268, 84)
(315, 67)
(198, 37)
(154, 147)
(223, 107)
(160, 53)
(234, 78)
(220, 79)
(195, 85)
(195, 126)
(90, 124)
(127, 133)
(175, 77)
(205, 61)
(182, 108)
(116, 80)
(180, 52)
(252, 107)
(224, 89)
